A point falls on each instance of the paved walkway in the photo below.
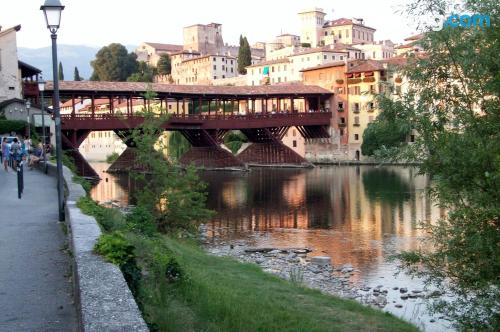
(35, 280)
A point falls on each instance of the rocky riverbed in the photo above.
(299, 265)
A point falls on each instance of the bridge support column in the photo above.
(205, 150)
(70, 147)
(267, 148)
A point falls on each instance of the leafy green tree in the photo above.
(164, 65)
(453, 104)
(60, 72)
(244, 55)
(113, 63)
(144, 73)
(174, 196)
(76, 75)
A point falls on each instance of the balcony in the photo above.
(30, 89)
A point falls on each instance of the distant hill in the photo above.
(70, 56)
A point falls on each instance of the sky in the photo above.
(101, 22)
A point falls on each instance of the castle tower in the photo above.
(206, 39)
(311, 22)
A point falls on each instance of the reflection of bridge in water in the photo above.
(204, 115)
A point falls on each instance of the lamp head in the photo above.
(52, 10)
(41, 84)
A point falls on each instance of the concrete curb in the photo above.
(103, 300)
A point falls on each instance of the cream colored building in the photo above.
(348, 31)
(288, 69)
(151, 52)
(10, 76)
(311, 26)
(377, 50)
(204, 69)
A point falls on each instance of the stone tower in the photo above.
(311, 22)
(206, 39)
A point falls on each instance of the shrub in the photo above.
(140, 220)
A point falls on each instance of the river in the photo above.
(357, 215)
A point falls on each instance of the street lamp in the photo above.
(28, 106)
(52, 10)
(41, 88)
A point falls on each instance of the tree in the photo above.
(144, 73)
(174, 196)
(113, 63)
(453, 104)
(76, 75)
(164, 65)
(244, 55)
(60, 72)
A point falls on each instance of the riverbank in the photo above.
(182, 288)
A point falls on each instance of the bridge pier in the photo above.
(205, 150)
(71, 141)
(268, 149)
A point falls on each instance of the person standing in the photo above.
(5, 154)
(15, 152)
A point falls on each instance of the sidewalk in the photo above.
(35, 280)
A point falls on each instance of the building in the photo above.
(151, 52)
(354, 85)
(288, 39)
(204, 69)
(288, 68)
(377, 50)
(410, 46)
(348, 31)
(10, 77)
(311, 26)
(204, 38)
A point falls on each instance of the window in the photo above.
(272, 68)
(340, 35)
(253, 83)
(356, 137)
(232, 70)
(372, 89)
(356, 120)
(342, 120)
(341, 132)
(279, 79)
(356, 107)
(412, 138)
(324, 57)
(224, 68)
(215, 59)
(373, 55)
(347, 33)
(215, 67)
(294, 143)
(308, 59)
(340, 105)
(231, 61)
(169, 107)
(341, 57)
(215, 77)
(326, 33)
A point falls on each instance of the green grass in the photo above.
(221, 294)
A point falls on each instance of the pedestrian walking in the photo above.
(5, 154)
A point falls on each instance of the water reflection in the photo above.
(355, 214)
(359, 215)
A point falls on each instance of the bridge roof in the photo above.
(87, 88)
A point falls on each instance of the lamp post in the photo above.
(41, 88)
(28, 106)
(52, 10)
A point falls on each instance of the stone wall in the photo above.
(102, 297)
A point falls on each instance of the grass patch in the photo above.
(182, 288)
